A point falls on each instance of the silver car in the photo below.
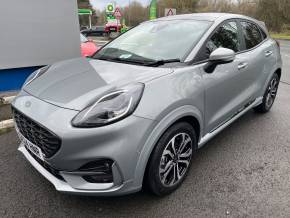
(136, 112)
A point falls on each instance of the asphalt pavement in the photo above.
(243, 172)
(285, 51)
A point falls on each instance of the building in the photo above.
(34, 34)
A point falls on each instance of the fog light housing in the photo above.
(99, 171)
(99, 178)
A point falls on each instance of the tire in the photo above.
(160, 181)
(269, 95)
(113, 35)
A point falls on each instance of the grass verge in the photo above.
(3, 131)
(281, 36)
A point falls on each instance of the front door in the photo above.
(227, 88)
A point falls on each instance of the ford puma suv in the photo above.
(135, 113)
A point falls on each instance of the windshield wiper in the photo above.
(162, 62)
(139, 62)
(129, 61)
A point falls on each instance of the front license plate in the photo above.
(33, 148)
(30, 146)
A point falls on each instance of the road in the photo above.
(243, 172)
(285, 51)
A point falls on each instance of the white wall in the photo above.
(38, 32)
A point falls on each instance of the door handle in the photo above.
(268, 53)
(242, 66)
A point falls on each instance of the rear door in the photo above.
(227, 88)
(258, 53)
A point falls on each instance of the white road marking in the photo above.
(6, 100)
(6, 124)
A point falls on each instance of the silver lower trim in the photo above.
(209, 136)
(96, 189)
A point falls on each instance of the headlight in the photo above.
(111, 107)
(35, 75)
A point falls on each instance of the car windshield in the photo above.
(83, 39)
(155, 41)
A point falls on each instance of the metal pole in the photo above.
(129, 13)
(90, 21)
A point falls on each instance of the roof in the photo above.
(204, 16)
(211, 17)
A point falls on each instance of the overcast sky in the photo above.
(101, 4)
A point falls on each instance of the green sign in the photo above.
(110, 17)
(110, 9)
(85, 12)
(153, 10)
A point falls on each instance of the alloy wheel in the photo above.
(175, 159)
(272, 92)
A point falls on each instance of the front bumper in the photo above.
(62, 186)
(121, 142)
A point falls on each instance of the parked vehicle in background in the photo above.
(84, 28)
(95, 31)
(112, 29)
(88, 47)
(138, 110)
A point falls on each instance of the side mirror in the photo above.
(222, 55)
(219, 56)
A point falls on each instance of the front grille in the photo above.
(47, 141)
(46, 166)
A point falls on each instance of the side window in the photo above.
(227, 36)
(263, 34)
(251, 34)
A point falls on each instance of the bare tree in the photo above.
(182, 6)
(135, 13)
(275, 13)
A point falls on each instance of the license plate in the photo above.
(33, 148)
(30, 146)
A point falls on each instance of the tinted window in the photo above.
(264, 34)
(251, 34)
(227, 36)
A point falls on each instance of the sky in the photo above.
(101, 4)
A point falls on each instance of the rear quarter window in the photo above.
(252, 34)
(264, 34)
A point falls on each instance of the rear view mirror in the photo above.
(219, 56)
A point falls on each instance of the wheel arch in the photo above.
(193, 121)
(187, 114)
(279, 72)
